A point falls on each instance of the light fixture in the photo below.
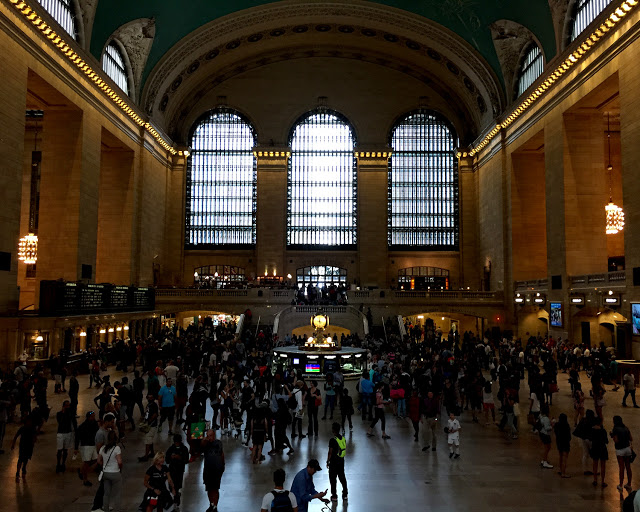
(39, 338)
(442, 318)
(118, 328)
(215, 274)
(274, 272)
(28, 249)
(195, 274)
(126, 327)
(103, 331)
(83, 334)
(614, 214)
(288, 276)
(111, 329)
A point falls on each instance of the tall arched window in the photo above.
(585, 11)
(423, 184)
(321, 202)
(62, 12)
(114, 66)
(531, 68)
(221, 182)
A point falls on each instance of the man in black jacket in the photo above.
(85, 445)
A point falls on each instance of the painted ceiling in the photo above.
(470, 19)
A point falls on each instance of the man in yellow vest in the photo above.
(335, 462)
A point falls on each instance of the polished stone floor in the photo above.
(493, 473)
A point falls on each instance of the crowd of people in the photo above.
(206, 382)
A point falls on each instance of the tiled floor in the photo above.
(493, 473)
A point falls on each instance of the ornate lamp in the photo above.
(615, 214)
(28, 249)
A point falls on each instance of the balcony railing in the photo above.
(586, 281)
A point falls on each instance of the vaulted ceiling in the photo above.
(470, 19)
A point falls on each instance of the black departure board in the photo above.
(62, 298)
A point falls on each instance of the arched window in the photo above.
(530, 69)
(321, 276)
(62, 12)
(321, 202)
(423, 184)
(114, 66)
(221, 182)
(585, 11)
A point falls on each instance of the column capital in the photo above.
(372, 157)
(271, 158)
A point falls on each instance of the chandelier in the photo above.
(615, 214)
(28, 249)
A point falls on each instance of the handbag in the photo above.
(633, 455)
(553, 387)
(144, 427)
(318, 401)
(101, 474)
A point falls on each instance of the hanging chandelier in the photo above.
(28, 249)
(615, 214)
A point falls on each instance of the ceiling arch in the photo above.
(469, 19)
(361, 31)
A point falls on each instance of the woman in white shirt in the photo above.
(110, 458)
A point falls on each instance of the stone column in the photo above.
(271, 211)
(13, 90)
(69, 187)
(373, 192)
(470, 267)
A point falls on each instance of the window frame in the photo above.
(68, 6)
(455, 229)
(575, 10)
(125, 69)
(525, 67)
(188, 179)
(354, 186)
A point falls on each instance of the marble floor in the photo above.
(493, 473)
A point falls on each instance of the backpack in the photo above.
(292, 402)
(627, 504)
(281, 502)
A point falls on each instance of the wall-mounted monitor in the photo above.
(296, 360)
(555, 314)
(635, 318)
(312, 368)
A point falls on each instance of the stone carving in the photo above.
(137, 38)
(561, 24)
(264, 19)
(88, 12)
(510, 39)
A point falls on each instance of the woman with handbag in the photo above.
(157, 480)
(110, 457)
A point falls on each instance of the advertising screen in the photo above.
(555, 315)
(635, 318)
(313, 368)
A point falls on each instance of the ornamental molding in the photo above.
(137, 38)
(88, 14)
(264, 22)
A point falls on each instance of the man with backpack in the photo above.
(335, 462)
(279, 500)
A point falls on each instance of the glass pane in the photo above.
(62, 12)
(113, 65)
(586, 11)
(321, 206)
(221, 182)
(423, 184)
(531, 69)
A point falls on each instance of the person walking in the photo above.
(562, 430)
(622, 439)
(314, 401)
(177, 457)
(365, 387)
(379, 413)
(335, 462)
(279, 499)
(85, 445)
(583, 432)
(304, 490)
(346, 409)
(295, 404)
(167, 398)
(599, 452)
(110, 458)
(157, 479)
(64, 437)
(545, 435)
(329, 397)
(151, 419)
(282, 420)
(28, 436)
(578, 403)
(629, 382)
(430, 412)
(214, 466)
(453, 435)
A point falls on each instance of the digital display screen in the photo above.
(555, 316)
(296, 360)
(635, 319)
(313, 368)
